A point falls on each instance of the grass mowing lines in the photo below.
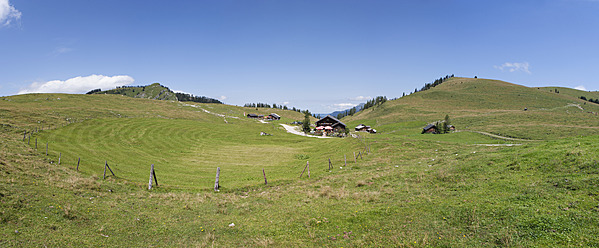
(185, 152)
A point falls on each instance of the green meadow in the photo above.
(462, 189)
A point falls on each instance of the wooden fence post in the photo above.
(24, 135)
(59, 156)
(110, 170)
(29, 140)
(78, 161)
(151, 174)
(154, 174)
(216, 185)
(46, 148)
(307, 164)
(36, 143)
(330, 164)
(264, 173)
(355, 157)
(106, 166)
(360, 154)
(308, 170)
(345, 159)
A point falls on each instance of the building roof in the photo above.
(429, 126)
(333, 119)
(275, 115)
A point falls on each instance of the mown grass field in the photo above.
(412, 190)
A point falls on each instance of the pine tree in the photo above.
(306, 123)
(446, 124)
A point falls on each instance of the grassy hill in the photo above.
(154, 91)
(409, 190)
(571, 92)
(490, 106)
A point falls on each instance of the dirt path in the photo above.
(295, 130)
(496, 136)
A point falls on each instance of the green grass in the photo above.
(412, 190)
(491, 106)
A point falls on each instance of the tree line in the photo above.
(434, 83)
(192, 98)
(369, 104)
(590, 99)
(274, 105)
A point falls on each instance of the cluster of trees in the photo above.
(442, 126)
(93, 91)
(257, 105)
(275, 106)
(369, 104)
(435, 83)
(192, 98)
(590, 99)
(375, 102)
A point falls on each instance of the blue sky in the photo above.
(319, 55)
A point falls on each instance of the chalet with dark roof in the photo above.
(430, 128)
(330, 121)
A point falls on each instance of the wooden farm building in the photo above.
(254, 116)
(274, 116)
(430, 128)
(364, 128)
(332, 122)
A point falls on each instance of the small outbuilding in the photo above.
(451, 127)
(274, 116)
(364, 128)
(253, 116)
(430, 128)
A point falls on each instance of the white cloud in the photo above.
(581, 87)
(222, 98)
(360, 98)
(78, 84)
(8, 13)
(513, 67)
(342, 106)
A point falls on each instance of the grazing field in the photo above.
(491, 106)
(410, 190)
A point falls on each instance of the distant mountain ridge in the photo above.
(154, 91)
(336, 113)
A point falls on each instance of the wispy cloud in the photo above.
(360, 98)
(581, 87)
(78, 84)
(61, 50)
(342, 106)
(8, 13)
(514, 67)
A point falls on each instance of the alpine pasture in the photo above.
(461, 189)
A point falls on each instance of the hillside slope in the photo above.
(400, 191)
(154, 91)
(491, 106)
